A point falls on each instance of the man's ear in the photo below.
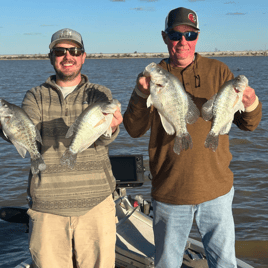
(84, 57)
(165, 37)
(50, 57)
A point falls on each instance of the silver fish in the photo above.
(174, 105)
(20, 130)
(222, 107)
(93, 122)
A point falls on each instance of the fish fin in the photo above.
(239, 107)
(68, 159)
(38, 136)
(5, 134)
(103, 120)
(167, 125)
(183, 142)
(236, 102)
(21, 150)
(37, 165)
(227, 127)
(70, 131)
(149, 101)
(108, 121)
(193, 112)
(108, 133)
(207, 109)
(212, 141)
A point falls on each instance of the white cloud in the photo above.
(235, 13)
(143, 8)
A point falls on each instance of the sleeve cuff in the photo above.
(253, 106)
(139, 93)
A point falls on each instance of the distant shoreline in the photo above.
(138, 55)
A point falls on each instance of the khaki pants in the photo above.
(53, 239)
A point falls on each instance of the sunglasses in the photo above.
(177, 36)
(61, 51)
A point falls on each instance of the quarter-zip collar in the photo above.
(51, 82)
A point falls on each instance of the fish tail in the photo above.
(183, 142)
(68, 158)
(212, 141)
(37, 165)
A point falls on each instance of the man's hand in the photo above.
(117, 120)
(249, 97)
(143, 84)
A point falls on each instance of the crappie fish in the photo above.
(20, 130)
(173, 103)
(222, 107)
(93, 122)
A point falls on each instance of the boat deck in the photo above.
(135, 241)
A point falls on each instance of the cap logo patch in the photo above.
(192, 17)
(66, 34)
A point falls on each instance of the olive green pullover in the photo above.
(198, 174)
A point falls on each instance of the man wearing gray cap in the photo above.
(197, 183)
(72, 211)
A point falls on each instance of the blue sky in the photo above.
(117, 26)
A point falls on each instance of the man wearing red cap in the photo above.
(197, 183)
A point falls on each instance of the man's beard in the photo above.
(67, 77)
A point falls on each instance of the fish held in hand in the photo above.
(93, 122)
(174, 105)
(222, 107)
(20, 130)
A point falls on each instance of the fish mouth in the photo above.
(152, 67)
(236, 90)
(240, 83)
(156, 74)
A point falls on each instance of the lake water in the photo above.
(249, 149)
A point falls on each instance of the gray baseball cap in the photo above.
(66, 35)
(181, 16)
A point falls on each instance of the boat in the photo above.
(135, 246)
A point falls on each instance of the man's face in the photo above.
(68, 67)
(181, 52)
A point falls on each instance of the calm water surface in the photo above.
(249, 149)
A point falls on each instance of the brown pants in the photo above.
(53, 238)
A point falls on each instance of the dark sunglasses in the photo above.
(177, 36)
(61, 51)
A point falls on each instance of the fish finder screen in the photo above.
(124, 168)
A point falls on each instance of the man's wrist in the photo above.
(141, 94)
(253, 106)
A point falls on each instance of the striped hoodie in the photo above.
(58, 189)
